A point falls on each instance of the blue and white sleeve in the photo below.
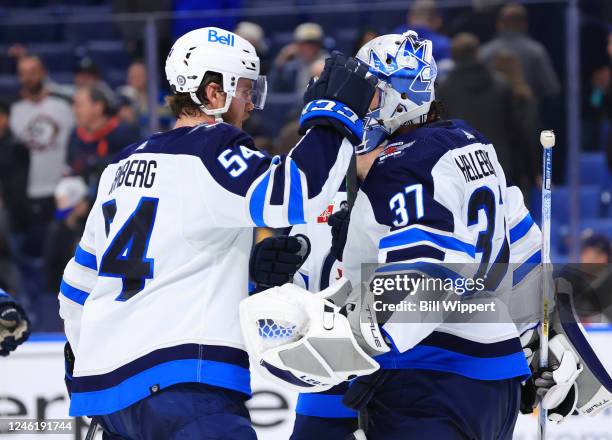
(80, 277)
(254, 189)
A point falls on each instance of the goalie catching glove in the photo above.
(302, 340)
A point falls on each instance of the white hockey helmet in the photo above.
(407, 71)
(212, 49)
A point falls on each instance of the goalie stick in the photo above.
(547, 139)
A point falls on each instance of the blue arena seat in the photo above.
(594, 169)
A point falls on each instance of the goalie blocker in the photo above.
(576, 381)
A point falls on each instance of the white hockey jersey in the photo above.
(320, 268)
(150, 298)
(438, 194)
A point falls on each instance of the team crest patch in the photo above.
(394, 150)
(324, 216)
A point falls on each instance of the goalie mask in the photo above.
(300, 340)
(407, 71)
(212, 49)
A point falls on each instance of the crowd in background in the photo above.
(55, 139)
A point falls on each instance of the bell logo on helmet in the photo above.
(214, 37)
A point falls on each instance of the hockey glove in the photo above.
(339, 223)
(275, 260)
(340, 97)
(14, 325)
(556, 385)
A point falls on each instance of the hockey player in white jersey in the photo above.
(278, 260)
(434, 192)
(150, 299)
(14, 324)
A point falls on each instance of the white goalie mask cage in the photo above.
(300, 341)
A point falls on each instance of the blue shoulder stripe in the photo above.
(415, 235)
(521, 229)
(70, 292)
(85, 258)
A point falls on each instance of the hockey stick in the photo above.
(547, 139)
(92, 431)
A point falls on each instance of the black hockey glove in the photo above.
(340, 97)
(69, 367)
(339, 222)
(275, 260)
(14, 326)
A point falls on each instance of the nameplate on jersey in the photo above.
(135, 173)
(475, 165)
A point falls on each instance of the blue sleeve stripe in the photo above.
(328, 406)
(415, 235)
(85, 258)
(296, 196)
(3, 293)
(70, 292)
(258, 199)
(521, 229)
(522, 271)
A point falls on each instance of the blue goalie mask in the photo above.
(407, 71)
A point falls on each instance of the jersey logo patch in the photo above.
(394, 150)
(324, 216)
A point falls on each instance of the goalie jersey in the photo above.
(151, 297)
(439, 195)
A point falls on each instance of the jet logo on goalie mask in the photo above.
(408, 64)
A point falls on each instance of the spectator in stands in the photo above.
(592, 289)
(512, 36)
(43, 123)
(425, 19)
(484, 100)
(254, 34)
(136, 87)
(527, 115)
(14, 166)
(99, 133)
(86, 73)
(291, 71)
(72, 208)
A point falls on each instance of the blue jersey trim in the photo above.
(415, 235)
(85, 258)
(423, 357)
(77, 295)
(3, 293)
(522, 271)
(521, 229)
(258, 199)
(329, 406)
(305, 278)
(163, 375)
(296, 200)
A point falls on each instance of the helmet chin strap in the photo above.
(217, 112)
